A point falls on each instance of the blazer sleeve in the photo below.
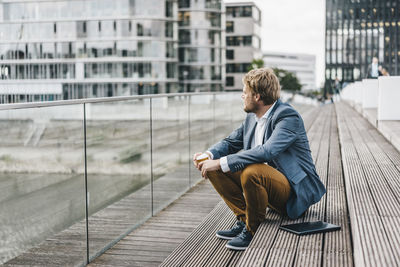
(283, 135)
(229, 145)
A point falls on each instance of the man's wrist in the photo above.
(210, 155)
(223, 162)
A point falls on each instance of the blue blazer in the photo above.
(285, 147)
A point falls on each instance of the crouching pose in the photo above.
(266, 162)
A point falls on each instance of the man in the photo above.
(374, 71)
(266, 162)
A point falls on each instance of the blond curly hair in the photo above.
(263, 81)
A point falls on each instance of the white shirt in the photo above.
(257, 139)
(374, 70)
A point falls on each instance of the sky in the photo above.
(295, 26)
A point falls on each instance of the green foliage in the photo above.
(288, 80)
(256, 64)
(6, 158)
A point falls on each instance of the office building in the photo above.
(357, 31)
(69, 49)
(302, 65)
(243, 42)
(201, 45)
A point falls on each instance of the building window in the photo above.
(247, 40)
(184, 36)
(55, 28)
(171, 71)
(230, 26)
(99, 26)
(230, 81)
(239, 11)
(81, 28)
(184, 18)
(169, 29)
(238, 68)
(184, 3)
(230, 54)
(239, 40)
(139, 29)
(169, 8)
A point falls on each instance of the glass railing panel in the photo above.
(170, 149)
(42, 188)
(118, 166)
(202, 128)
(229, 114)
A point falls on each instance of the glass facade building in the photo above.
(357, 31)
(201, 45)
(70, 49)
(243, 42)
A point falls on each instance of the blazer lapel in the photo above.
(248, 137)
(268, 129)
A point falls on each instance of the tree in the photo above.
(256, 64)
(288, 80)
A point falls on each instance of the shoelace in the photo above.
(237, 225)
(243, 234)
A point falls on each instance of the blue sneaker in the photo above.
(233, 232)
(241, 242)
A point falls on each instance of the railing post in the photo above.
(190, 163)
(214, 97)
(151, 156)
(86, 185)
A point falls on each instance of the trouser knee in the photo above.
(249, 176)
(213, 176)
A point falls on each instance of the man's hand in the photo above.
(195, 163)
(207, 166)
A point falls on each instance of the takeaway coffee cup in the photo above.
(202, 157)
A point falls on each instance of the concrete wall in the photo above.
(370, 93)
(388, 99)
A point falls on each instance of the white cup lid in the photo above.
(202, 156)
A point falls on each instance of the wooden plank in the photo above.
(206, 228)
(211, 244)
(337, 247)
(309, 248)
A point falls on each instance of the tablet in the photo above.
(307, 228)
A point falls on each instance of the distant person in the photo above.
(337, 87)
(383, 71)
(266, 162)
(373, 69)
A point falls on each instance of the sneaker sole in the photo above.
(224, 237)
(235, 248)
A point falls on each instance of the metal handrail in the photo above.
(100, 100)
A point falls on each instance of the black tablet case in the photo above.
(307, 228)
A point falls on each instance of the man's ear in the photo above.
(257, 97)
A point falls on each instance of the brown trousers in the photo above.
(248, 193)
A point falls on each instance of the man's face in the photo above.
(249, 100)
